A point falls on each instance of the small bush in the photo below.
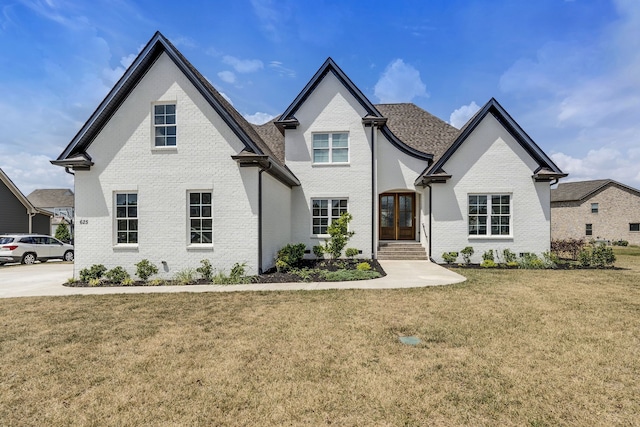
(145, 269)
(205, 270)
(363, 266)
(338, 230)
(235, 277)
(466, 254)
(488, 256)
(127, 282)
(351, 252)
(550, 260)
(117, 274)
(156, 282)
(186, 277)
(94, 272)
(530, 261)
(450, 257)
(94, 282)
(488, 263)
(290, 256)
(509, 256)
(62, 232)
(318, 251)
(620, 243)
(584, 258)
(602, 256)
(568, 248)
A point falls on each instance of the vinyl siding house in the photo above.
(17, 214)
(166, 169)
(601, 209)
(58, 201)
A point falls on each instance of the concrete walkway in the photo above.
(47, 279)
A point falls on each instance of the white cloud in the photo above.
(272, 16)
(227, 76)
(243, 65)
(400, 82)
(32, 171)
(258, 118)
(461, 116)
(281, 69)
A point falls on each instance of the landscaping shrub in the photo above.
(530, 261)
(598, 256)
(236, 276)
(550, 260)
(363, 266)
(338, 230)
(318, 251)
(205, 270)
(509, 257)
(466, 254)
(117, 275)
(488, 256)
(620, 243)
(127, 282)
(186, 276)
(347, 275)
(145, 269)
(289, 256)
(94, 272)
(568, 248)
(488, 263)
(450, 257)
(351, 252)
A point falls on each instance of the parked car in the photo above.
(29, 248)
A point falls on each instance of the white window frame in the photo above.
(155, 126)
(330, 215)
(199, 217)
(330, 148)
(128, 218)
(595, 208)
(489, 215)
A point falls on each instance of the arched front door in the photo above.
(397, 216)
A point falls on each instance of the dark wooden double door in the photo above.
(397, 216)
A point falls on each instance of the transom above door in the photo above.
(397, 216)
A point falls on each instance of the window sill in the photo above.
(199, 247)
(125, 247)
(489, 237)
(324, 165)
(169, 149)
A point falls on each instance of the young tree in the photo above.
(338, 230)
(62, 232)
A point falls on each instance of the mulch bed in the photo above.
(270, 276)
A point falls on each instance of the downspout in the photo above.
(430, 219)
(262, 169)
(373, 191)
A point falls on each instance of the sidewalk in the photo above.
(400, 274)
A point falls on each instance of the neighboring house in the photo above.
(166, 169)
(17, 214)
(58, 201)
(601, 209)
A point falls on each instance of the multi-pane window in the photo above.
(594, 207)
(588, 229)
(200, 217)
(331, 147)
(489, 215)
(126, 218)
(164, 123)
(324, 211)
(634, 226)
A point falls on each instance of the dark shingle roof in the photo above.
(411, 124)
(52, 198)
(580, 190)
(418, 128)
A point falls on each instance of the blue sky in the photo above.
(567, 71)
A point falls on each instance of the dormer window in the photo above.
(164, 123)
(331, 147)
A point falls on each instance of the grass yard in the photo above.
(508, 347)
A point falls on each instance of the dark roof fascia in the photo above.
(282, 174)
(496, 110)
(152, 51)
(544, 174)
(328, 66)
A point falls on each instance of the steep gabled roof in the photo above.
(52, 198)
(372, 116)
(581, 190)
(547, 169)
(16, 192)
(74, 153)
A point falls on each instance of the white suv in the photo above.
(27, 248)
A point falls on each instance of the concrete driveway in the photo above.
(47, 279)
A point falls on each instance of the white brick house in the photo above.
(166, 169)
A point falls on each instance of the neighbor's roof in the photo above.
(409, 123)
(52, 198)
(580, 190)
